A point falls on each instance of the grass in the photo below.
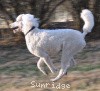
(32, 69)
(26, 70)
(82, 86)
(18, 68)
(85, 68)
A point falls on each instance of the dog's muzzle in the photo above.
(14, 27)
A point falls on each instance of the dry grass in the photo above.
(18, 69)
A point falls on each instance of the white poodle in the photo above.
(47, 43)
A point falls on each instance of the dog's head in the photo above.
(24, 22)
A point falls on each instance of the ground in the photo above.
(18, 71)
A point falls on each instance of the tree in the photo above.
(44, 9)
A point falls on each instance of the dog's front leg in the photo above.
(49, 63)
(40, 64)
(47, 60)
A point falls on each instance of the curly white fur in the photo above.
(48, 43)
(88, 18)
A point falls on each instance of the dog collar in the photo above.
(30, 30)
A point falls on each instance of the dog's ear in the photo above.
(19, 18)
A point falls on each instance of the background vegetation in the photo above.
(46, 11)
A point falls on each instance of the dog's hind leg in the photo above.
(40, 64)
(72, 62)
(65, 62)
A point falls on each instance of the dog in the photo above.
(45, 43)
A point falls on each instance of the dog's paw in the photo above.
(53, 80)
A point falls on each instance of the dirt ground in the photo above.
(18, 71)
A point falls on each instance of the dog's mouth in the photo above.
(15, 28)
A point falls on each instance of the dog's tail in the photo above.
(88, 19)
